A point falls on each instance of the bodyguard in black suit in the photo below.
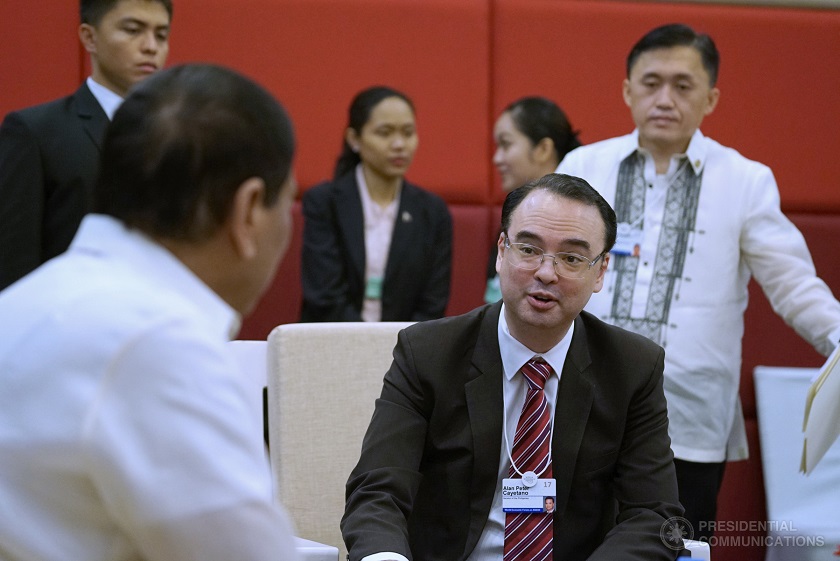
(410, 280)
(49, 154)
(428, 483)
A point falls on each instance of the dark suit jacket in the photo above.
(417, 274)
(430, 459)
(49, 160)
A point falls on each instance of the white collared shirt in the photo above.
(108, 100)
(514, 356)
(126, 429)
(740, 232)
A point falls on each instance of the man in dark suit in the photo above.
(49, 154)
(444, 433)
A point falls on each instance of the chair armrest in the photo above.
(314, 551)
(699, 550)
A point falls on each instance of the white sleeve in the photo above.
(387, 556)
(255, 532)
(176, 453)
(571, 164)
(778, 258)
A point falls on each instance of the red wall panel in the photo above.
(778, 89)
(39, 52)
(316, 54)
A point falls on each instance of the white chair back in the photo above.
(803, 512)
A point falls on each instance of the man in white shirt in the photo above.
(126, 430)
(49, 153)
(695, 221)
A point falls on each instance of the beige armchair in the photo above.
(323, 379)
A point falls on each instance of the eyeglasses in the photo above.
(530, 258)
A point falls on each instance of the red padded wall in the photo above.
(41, 54)
(471, 237)
(316, 54)
(778, 99)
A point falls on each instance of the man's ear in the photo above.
(500, 247)
(602, 271)
(87, 36)
(712, 101)
(625, 91)
(243, 221)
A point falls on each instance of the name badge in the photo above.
(373, 288)
(628, 240)
(518, 496)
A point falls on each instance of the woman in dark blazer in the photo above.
(375, 247)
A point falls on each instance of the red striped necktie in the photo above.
(529, 536)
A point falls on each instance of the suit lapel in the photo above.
(574, 400)
(485, 404)
(93, 117)
(351, 221)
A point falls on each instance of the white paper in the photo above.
(822, 413)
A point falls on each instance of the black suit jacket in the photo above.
(429, 466)
(418, 269)
(49, 160)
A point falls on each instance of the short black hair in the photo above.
(568, 187)
(91, 12)
(183, 142)
(678, 35)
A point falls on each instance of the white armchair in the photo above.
(803, 512)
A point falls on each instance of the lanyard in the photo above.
(509, 448)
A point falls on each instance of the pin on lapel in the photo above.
(406, 216)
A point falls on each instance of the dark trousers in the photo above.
(699, 484)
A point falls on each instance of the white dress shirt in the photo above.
(126, 431)
(514, 356)
(108, 100)
(740, 232)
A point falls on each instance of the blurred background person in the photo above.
(128, 431)
(532, 136)
(375, 247)
(49, 153)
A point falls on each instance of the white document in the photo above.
(822, 413)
